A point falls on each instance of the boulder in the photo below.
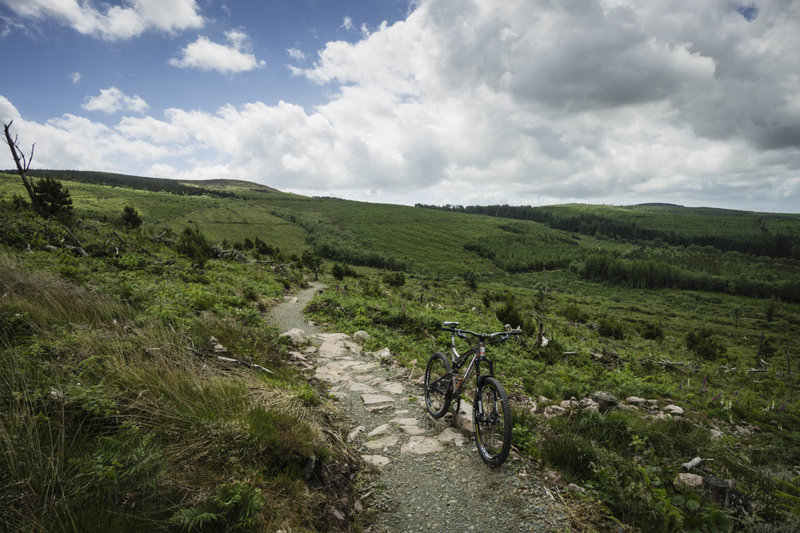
(635, 400)
(688, 481)
(569, 404)
(375, 460)
(464, 418)
(360, 336)
(382, 355)
(353, 434)
(296, 335)
(448, 436)
(552, 411)
(673, 410)
(605, 400)
(421, 446)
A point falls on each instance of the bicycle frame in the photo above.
(478, 353)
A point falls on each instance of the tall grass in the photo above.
(112, 421)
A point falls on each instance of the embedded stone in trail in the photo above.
(342, 364)
(448, 436)
(376, 408)
(421, 446)
(371, 399)
(394, 388)
(331, 337)
(360, 387)
(412, 430)
(375, 460)
(332, 350)
(404, 421)
(353, 434)
(296, 335)
(385, 442)
(363, 367)
(383, 429)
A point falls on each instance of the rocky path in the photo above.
(431, 477)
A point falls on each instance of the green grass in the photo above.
(116, 415)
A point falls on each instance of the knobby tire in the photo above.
(493, 427)
(438, 385)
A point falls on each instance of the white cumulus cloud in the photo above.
(112, 100)
(205, 54)
(113, 22)
(296, 54)
(521, 101)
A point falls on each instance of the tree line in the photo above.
(765, 243)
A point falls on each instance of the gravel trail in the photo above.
(430, 475)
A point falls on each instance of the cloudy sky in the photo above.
(695, 102)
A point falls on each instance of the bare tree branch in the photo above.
(22, 165)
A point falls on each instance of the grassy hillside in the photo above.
(117, 413)
(687, 306)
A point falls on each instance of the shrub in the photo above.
(612, 328)
(53, 199)
(471, 279)
(235, 507)
(573, 313)
(194, 245)
(509, 313)
(341, 271)
(130, 217)
(652, 331)
(704, 343)
(394, 279)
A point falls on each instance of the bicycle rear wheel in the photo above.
(492, 422)
(438, 385)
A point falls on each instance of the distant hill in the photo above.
(189, 188)
(768, 234)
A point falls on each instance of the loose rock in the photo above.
(674, 410)
(361, 336)
(296, 335)
(606, 401)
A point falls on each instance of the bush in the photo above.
(53, 199)
(705, 344)
(652, 331)
(194, 245)
(471, 279)
(130, 217)
(573, 313)
(611, 328)
(341, 271)
(509, 313)
(394, 279)
(235, 507)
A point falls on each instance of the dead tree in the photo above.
(23, 164)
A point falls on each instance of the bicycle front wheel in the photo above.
(492, 422)
(438, 385)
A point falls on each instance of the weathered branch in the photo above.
(23, 165)
(164, 240)
(79, 247)
(230, 360)
(126, 243)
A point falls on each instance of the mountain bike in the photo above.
(491, 412)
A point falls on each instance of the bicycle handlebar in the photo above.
(463, 333)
